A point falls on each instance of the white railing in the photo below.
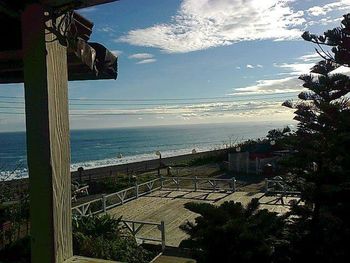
(109, 201)
(279, 186)
(134, 227)
(89, 208)
(199, 183)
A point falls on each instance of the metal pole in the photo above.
(266, 185)
(195, 183)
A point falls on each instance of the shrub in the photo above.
(232, 233)
(101, 237)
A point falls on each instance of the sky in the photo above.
(193, 61)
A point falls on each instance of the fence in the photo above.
(109, 201)
(279, 186)
(199, 183)
(241, 163)
(134, 228)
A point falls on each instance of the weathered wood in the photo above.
(170, 209)
(46, 83)
(78, 259)
(76, 4)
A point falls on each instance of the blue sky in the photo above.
(249, 53)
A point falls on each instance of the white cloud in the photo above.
(202, 24)
(146, 61)
(141, 56)
(106, 29)
(324, 21)
(270, 86)
(313, 57)
(117, 52)
(325, 9)
(295, 69)
(250, 66)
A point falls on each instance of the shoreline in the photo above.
(127, 168)
(143, 166)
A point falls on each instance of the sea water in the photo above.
(103, 147)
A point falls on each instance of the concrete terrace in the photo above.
(168, 206)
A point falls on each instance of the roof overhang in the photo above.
(86, 61)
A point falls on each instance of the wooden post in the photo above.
(266, 185)
(48, 149)
(162, 230)
(233, 184)
(195, 183)
(161, 182)
(104, 203)
(137, 189)
(247, 162)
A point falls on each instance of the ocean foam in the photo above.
(23, 172)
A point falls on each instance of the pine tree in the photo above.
(321, 166)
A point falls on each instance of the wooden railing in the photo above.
(279, 186)
(109, 201)
(199, 183)
(134, 228)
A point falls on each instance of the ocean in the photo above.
(103, 147)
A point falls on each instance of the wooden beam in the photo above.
(48, 150)
(11, 55)
(76, 3)
(78, 259)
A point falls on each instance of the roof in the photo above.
(86, 61)
(15, 6)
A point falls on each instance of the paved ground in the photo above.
(168, 206)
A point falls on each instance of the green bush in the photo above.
(207, 160)
(101, 237)
(233, 233)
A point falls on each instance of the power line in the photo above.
(191, 113)
(92, 109)
(163, 104)
(159, 99)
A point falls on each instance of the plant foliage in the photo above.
(101, 237)
(232, 233)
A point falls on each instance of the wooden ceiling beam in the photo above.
(77, 4)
